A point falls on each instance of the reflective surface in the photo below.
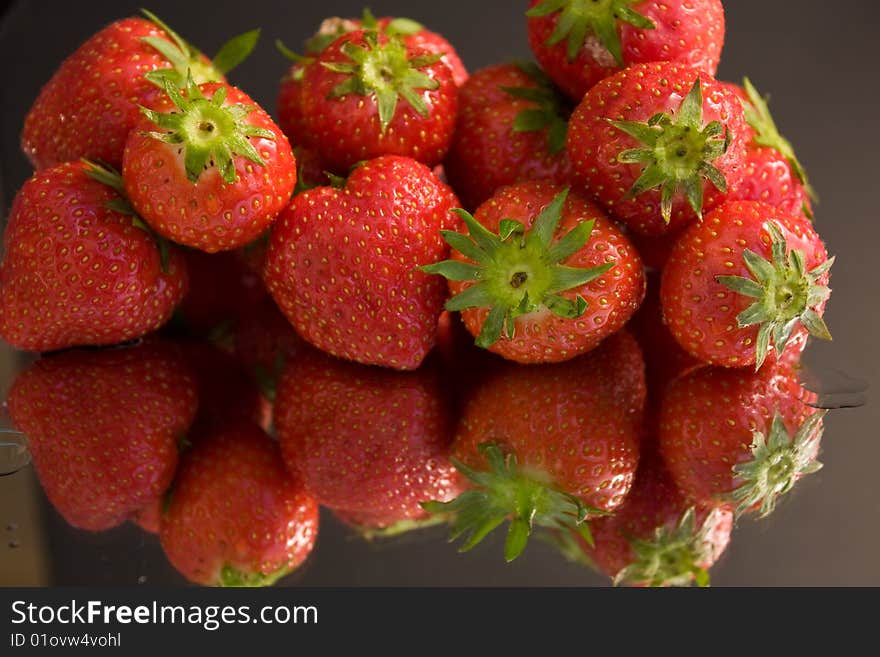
(826, 533)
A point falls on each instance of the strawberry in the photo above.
(511, 128)
(746, 277)
(90, 104)
(657, 538)
(342, 263)
(543, 275)
(657, 144)
(739, 438)
(773, 173)
(79, 269)
(207, 167)
(581, 42)
(368, 95)
(549, 445)
(235, 517)
(218, 291)
(367, 441)
(103, 428)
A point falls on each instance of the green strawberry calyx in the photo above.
(210, 132)
(387, 72)
(517, 272)
(674, 556)
(107, 175)
(334, 27)
(232, 577)
(551, 110)
(758, 116)
(785, 294)
(187, 60)
(506, 492)
(778, 461)
(582, 18)
(677, 153)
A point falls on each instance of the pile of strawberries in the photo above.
(634, 231)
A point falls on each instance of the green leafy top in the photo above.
(678, 153)
(186, 60)
(600, 18)
(674, 556)
(210, 131)
(518, 272)
(107, 175)
(767, 134)
(385, 71)
(778, 461)
(552, 111)
(506, 492)
(785, 294)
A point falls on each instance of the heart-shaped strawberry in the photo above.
(342, 263)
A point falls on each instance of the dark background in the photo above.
(820, 62)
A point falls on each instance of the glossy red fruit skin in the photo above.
(688, 32)
(78, 273)
(342, 263)
(578, 423)
(654, 502)
(707, 421)
(90, 104)
(289, 105)
(701, 312)
(486, 152)
(612, 298)
(233, 504)
(637, 94)
(347, 130)
(103, 428)
(366, 440)
(209, 215)
(768, 178)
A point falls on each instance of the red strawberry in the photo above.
(235, 517)
(511, 128)
(549, 445)
(367, 441)
(513, 289)
(773, 173)
(90, 104)
(78, 268)
(655, 148)
(739, 438)
(208, 167)
(747, 276)
(342, 263)
(218, 291)
(103, 428)
(368, 95)
(579, 43)
(658, 537)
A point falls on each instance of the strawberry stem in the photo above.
(517, 272)
(581, 18)
(785, 293)
(778, 461)
(210, 131)
(385, 71)
(552, 110)
(678, 153)
(504, 492)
